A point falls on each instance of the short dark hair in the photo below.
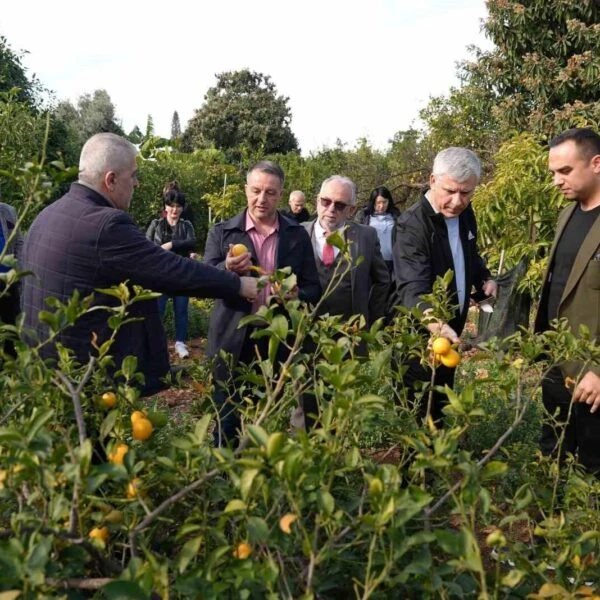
(270, 167)
(586, 140)
(172, 194)
(384, 193)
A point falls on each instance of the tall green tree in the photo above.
(545, 66)
(14, 75)
(541, 76)
(242, 110)
(175, 126)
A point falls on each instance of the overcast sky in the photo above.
(350, 68)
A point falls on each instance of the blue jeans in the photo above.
(180, 310)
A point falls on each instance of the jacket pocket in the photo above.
(593, 274)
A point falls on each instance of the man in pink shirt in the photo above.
(273, 242)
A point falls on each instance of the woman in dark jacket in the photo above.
(174, 234)
(381, 214)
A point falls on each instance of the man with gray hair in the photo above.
(85, 241)
(437, 234)
(298, 211)
(363, 289)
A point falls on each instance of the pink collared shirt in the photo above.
(265, 246)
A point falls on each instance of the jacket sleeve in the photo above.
(188, 242)
(309, 288)
(126, 254)
(150, 233)
(412, 264)
(380, 281)
(212, 252)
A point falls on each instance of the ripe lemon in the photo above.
(441, 346)
(133, 487)
(286, 521)
(108, 400)
(99, 533)
(242, 551)
(450, 359)
(118, 454)
(238, 250)
(141, 429)
(137, 414)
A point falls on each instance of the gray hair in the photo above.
(344, 181)
(269, 167)
(102, 153)
(457, 163)
(297, 193)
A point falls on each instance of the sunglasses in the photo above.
(327, 202)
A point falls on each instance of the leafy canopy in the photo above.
(243, 110)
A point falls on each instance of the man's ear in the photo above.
(109, 180)
(595, 162)
(431, 180)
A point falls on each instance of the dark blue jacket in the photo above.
(294, 250)
(81, 242)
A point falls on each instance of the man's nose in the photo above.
(558, 179)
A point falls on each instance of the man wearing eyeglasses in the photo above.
(364, 287)
(439, 233)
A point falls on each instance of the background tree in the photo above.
(95, 113)
(135, 136)
(149, 128)
(14, 75)
(242, 110)
(175, 126)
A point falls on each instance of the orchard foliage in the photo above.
(83, 503)
(517, 210)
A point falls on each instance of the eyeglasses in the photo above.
(327, 202)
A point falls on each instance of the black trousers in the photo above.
(227, 396)
(416, 376)
(581, 428)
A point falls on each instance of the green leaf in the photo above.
(108, 423)
(258, 530)
(513, 578)
(129, 366)
(234, 505)
(123, 590)
(188, 552)
(246, 480)
(10, 595)
(326, 502)
(280, 327)
(258, 435)
(201, 428)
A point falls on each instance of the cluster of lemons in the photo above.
(141, 430)
(444, 353)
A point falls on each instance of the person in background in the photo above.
(174, 234)
(381, 214)
(298, 211)
(9, 298)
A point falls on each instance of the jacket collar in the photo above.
(80, 190)
(239, 222)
